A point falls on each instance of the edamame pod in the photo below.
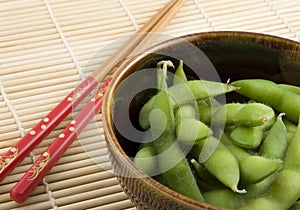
(186, 111)
(291, 88)
(221, 163)
(179, 76)
(292, 156)
(256, 168)
(267, 125)
(184, 93)
(202, 103)
(275, 143)
(175, 168)
(205, 114)
(285, 190)
(253, 168)
(198, 89)
(248, 114)
(172, 162)
(290, 129)
(247, 137)
(227, 199)
(224, 198)
(238, 152)
(204, 176)
(254, 114)
(268, 92)
(145, 159)
(190, 130)
(282, 193)
(262, 203)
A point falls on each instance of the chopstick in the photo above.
(163, 17)
(51, 155)
(33, 137)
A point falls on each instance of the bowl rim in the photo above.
(120, 74)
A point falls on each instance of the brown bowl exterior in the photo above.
(234, 55)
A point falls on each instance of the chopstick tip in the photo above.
(17, 196)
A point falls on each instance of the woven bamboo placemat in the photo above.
(47, 47)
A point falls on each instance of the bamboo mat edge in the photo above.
(47, 47)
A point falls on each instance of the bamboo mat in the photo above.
(47, 47)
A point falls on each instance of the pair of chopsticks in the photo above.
(51, 155)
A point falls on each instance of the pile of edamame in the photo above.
(250, 162)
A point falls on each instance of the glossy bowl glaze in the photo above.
(213, 55)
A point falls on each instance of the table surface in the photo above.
(47, 47)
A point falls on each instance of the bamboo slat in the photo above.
(48, 46)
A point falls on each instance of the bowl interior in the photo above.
(217, 56)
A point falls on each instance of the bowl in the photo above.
(215, 56)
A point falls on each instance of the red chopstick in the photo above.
(31, 139)
(51, 155)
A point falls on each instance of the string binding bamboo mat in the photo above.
(47, 47)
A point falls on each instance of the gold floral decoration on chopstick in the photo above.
(8, 158)
(78, 92)
(100, 92)
(39, 166)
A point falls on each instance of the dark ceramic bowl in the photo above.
(216, 56)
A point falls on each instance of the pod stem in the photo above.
(243, 191)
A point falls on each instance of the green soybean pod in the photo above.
(221, 162)
(275, 143)
(292, 156)
(183, 93)
(283, 101)
(175, 168)
(190, 130)
(285, 190)
(250, 114)
(267, 125)
(282, 193)
(255, 114)
(200, 89)
(247, 137)
(205, 114)
(224, 198)
(253, 169)
(291, 88)
(179, 76)
(186, 111)
(205, 177)
(256, 168)
(203, 103)
(172, 162)
(260, 90)
(290, 128)
(262, 203)
(228, 113)
(237, 151)
(145, 159)
(227, 199)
